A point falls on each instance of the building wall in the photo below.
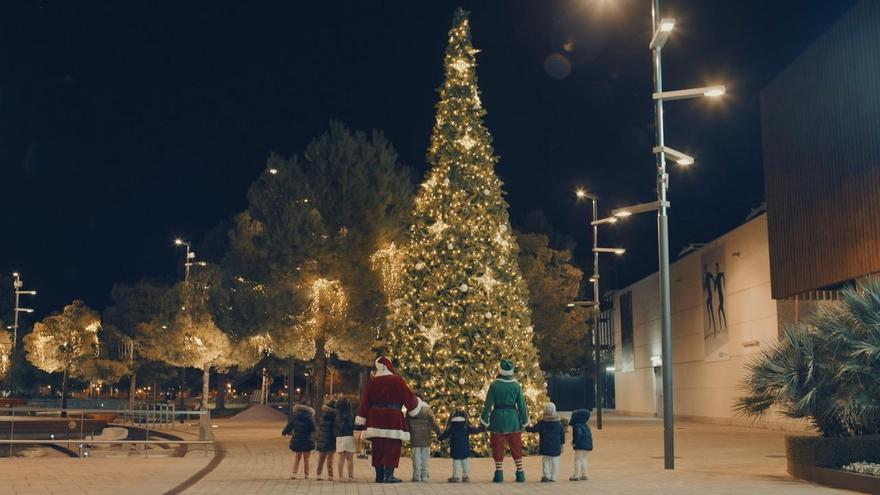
(821, 138)
(705, 387)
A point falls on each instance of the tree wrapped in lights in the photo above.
(313, 221)
(193, 338)
(464, 304)
(5, 353)
(64, 342)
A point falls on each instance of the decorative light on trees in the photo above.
(5, 353)
(64, 342)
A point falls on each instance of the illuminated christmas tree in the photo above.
(462, 305)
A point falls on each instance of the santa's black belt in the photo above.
(505, 406)
(388, 405)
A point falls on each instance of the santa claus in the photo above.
(381, 416)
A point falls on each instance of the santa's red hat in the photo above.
(384, 364)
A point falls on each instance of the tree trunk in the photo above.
(206, 377)
(363, 376)
(132, 389)
(64, 394)
(181, 394)
(264, 389)
(320, 372)
(220, 403)
(291, 384)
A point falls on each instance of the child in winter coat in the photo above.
(552, 438)
(345, 437)
(327, 439)
(300, 427)
(420, 428)
(582, 441)
(458, 431)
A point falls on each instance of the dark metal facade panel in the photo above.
(821, 139)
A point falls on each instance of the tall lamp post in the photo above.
(599, 375)
(190, 259)
(17, 285)
(662, 28)
(188, 262)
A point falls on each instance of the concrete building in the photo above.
(722, 314)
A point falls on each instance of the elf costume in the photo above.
(505, 415)
(381, 415)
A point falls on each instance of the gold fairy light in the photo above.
(388, 263)
(327, 299)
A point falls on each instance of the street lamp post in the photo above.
(190, 259)
(188, 262)
(661, 31)
(17, 285)
(599, 375)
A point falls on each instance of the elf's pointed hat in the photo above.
(506, 367)
(384, 364)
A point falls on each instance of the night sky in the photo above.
(125, 124)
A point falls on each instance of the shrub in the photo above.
(825, 370)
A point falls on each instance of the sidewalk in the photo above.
(133, 475)
(628, 460)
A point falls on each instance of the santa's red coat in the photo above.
(382, 421)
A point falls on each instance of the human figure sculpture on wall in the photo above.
(709, 285)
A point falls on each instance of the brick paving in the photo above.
(628, 460)
(133, 475)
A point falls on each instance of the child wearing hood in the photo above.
(552, 438)
(458, 431)
(327, 439)
(345, 437)
(420, 428)
(582, 441)
(300, 427)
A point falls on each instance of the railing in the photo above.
(79, 427)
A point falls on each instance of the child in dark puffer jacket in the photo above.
(458, 431)
(300, 428)
(582, 441)
(327, 439)
(552, 437)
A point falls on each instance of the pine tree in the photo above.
(463, 305)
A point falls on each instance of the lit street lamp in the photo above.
(17, 285)
(596, 304)
(190, 259)
(662, 30)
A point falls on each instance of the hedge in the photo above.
(832, 452)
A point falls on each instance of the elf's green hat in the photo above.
(506, 367)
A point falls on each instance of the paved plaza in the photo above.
(628, 460)
(254, 459)
(108, 474)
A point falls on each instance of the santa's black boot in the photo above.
(389, 475)
(380, 474)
